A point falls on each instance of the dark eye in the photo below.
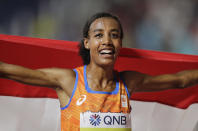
(99, 35)
(115, 35)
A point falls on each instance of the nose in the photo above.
(107, 40)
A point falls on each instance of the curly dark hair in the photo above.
(83, 52)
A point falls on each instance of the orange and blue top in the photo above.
(89, 110)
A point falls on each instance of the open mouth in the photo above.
(107, 52)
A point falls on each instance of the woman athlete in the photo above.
(95, 95)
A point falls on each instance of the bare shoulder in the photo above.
(129, 74)
(59, 72)
(132, 79)
(63, 76)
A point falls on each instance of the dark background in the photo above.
(165, 25)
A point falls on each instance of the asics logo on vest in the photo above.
(81, 100)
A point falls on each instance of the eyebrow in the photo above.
(116, 30)
(99, 30)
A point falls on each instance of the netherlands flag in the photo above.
(29, 108)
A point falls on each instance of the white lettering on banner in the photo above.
(104, 120)
(119, 120)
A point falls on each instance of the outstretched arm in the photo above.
(139, 82)
(51, 77)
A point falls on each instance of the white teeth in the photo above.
(106, 51)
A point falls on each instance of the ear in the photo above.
(86, 43)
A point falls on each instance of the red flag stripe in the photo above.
(42, 53)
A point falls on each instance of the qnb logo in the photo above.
(115, 120)
(95, 120)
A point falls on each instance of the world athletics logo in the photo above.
(95, 120)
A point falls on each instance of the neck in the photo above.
(100, 76)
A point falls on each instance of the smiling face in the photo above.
(104, 41)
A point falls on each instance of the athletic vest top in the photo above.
(90, 110)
